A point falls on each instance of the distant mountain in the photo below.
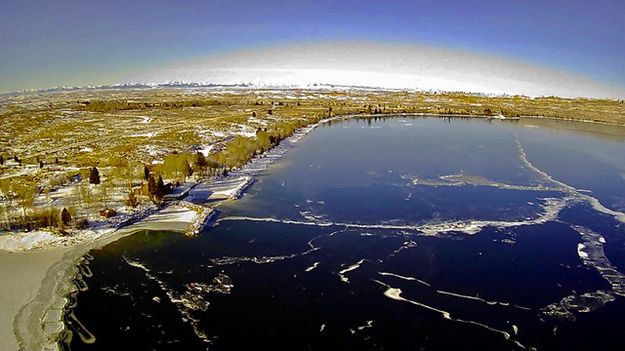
(191, 85)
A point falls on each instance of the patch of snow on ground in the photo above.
(206, 149)
(148, 135)
(218, 134)
(26, 241)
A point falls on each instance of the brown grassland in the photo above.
(49, 141)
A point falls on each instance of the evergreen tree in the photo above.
(1, 160)
(151, 186)
(146, 172)
(66, 217)
(94, 176)
(160, 188)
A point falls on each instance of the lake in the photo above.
(400, 233)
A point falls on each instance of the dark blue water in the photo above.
(407, 233)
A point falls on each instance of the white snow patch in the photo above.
(206, 149)
(580, 251)
(26, 241)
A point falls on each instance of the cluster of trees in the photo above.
(49, 217)
(19, 195)
(205, 165)
(241, 149)
(122, 105)
(28, 217)
(370, 109)
(93, 192)
(20, 162)
(272, 103)
(157, 188)
(15, 158)
(176, 166)
(179, 166)
(22, 191)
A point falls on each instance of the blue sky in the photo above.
(81, 42)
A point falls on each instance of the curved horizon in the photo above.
(578, 45)
(368, 64)
(379, 65)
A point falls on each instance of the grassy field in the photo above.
(50, 141)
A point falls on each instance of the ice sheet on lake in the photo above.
(551, 208)
(465, 179)
(573, 193)
(590, 251)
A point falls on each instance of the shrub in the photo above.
(81, 223)
(151, 186)
(42, 218)
(161, 189)
(108, 212)
(132, 200)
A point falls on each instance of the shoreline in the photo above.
(41, 240)
(509, 119)
(41, 279)
(36, 315)
(39, 322)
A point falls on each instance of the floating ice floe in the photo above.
(193, 298)
(369, 324)
(314, 265)
(352, 267)
(457, 180)
(395, 294)
(590, 251)
(551, 209)
(405, 278)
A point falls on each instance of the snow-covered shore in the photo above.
(38, 267)
(33, 308)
